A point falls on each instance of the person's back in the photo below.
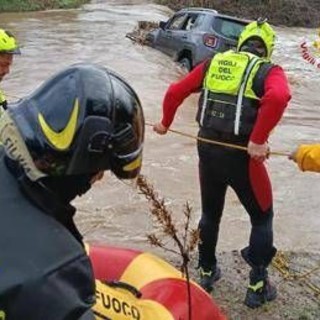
(39, 259)
(56, 144)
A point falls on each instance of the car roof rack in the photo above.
(198, 9)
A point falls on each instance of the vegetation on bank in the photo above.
(33, 5)
(291, 13)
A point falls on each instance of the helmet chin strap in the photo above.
(67, 188)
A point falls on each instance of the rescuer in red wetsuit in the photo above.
(243, 97)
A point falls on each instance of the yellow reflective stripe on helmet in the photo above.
(61, 140)
(257, 286)
(133, 165)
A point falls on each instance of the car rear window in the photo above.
(229, 28)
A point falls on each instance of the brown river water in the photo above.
(113, 211)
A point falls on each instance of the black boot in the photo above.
(260, 290)
(208, 277)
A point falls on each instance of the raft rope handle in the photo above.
(224, 144)
(126, 286)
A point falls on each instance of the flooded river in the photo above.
(113, 211)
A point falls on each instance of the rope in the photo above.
(224, 144)
(219, 143)
(281, 263)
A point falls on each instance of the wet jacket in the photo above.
(231, 94)
(308, 157)
(272, 104)
(44, 271)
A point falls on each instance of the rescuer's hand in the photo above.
(159, 128)
(293, 155)
(258, 152)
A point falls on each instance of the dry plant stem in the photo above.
(164, 218)
(162, 215)
(187, 213)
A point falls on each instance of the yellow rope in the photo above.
(281, 263)
(224, 144)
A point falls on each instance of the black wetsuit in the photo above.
(220, 167)
(45, 273)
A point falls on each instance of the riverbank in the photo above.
(290, 13)
(297, 283)
(34, 5)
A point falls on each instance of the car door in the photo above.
(182, 36)
(170, 32)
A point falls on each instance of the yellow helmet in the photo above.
(8, 43)
(262, 30)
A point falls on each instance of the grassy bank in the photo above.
(279, 12)
(33, 5)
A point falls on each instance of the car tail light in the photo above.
(210, 41)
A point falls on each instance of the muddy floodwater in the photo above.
(113, 211)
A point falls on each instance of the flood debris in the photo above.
(140, 32)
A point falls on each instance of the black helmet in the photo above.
(83, 120)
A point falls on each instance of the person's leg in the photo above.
(253, 188)
(212, 203)
(259, 255)
(213, 193)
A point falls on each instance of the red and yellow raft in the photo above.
(144, 287)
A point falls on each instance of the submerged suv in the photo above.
(194, 34)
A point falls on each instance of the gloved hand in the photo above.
(258, 152)
(307, 157)
(160, 128)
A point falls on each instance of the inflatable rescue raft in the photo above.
(141, 286)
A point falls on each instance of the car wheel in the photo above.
(185, 63)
